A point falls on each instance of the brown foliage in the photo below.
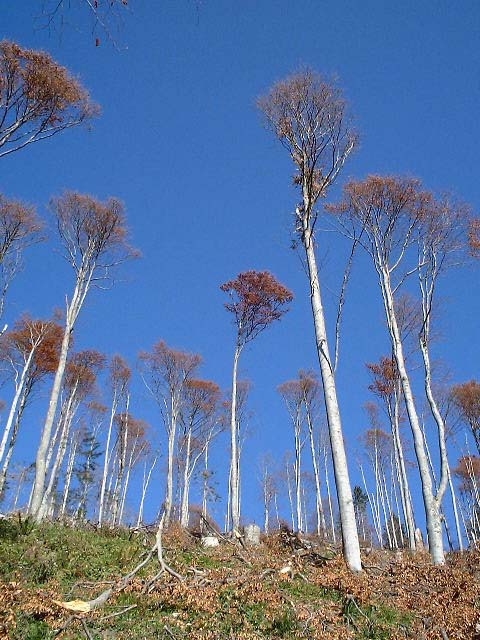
(19, 226)
(385, 377)
(474, 237)
(94, 233)
(388, 209)
(308, 114)
(201, 398)
(257, 300)
(468, 471)
(466, 398)
(81, 372)
(44, 337)
(38, 98)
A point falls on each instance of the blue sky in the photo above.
(208, 191)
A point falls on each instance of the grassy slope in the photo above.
(225, 595)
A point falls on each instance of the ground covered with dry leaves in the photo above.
(277, 590)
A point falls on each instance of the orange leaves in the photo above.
(19, 225)
(308, 114)
(38, 97)
(94, 233)
(474, 237)
(257, 300)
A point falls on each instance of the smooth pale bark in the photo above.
(122, 459)
(432, 512)
(266, 511)
(106, 461)
(290, 499)
(21, 481)
(402, 475)
(68, 475)
(168, 503)
(40, 460)
(206, 475)
(234, 475)
(351, 545)
(47, 500)
(186, 483)
(298, 472)
(375, 509)
(16, 398)
(329, 496)
(13, 439)
(145, 484)
(321, 526)
(455, 511)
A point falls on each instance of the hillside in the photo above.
(273, 591)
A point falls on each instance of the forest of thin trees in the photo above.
(92, 460)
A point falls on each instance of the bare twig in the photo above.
(118, 613)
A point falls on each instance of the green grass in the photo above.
(64, 561)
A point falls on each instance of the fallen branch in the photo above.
(118, 613)
(86, 606)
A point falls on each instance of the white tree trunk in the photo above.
(146, 482)
(318, 497)
(168, 504)
(68, 475)
(40, 461)
(186, 484)
(234, 479)
(432, 513)
(13, 439)
(13, 407)
(106, 461)
(351, 545)
(455, 511)
(402, 475)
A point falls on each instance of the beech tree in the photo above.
(308, 114)
(79, 382)
(31, 349)
(94, 239)
(119, 379)
(130, 446)
(165, 371)
(19, 228)
(256, 300)
(394, 216)
(200, 425)
(292, 394)
(38, 98)
(466, 398)
(468, 472)
(474, 237)
(386, 385)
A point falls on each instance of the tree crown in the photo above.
(257, 300)
(38, 97)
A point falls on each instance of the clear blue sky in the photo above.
(208, 191)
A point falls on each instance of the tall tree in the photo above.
(79, 382)
(292, 393)
(466, 398)
(165, 372)
(94, 239)
(200, 424)
(119, 379)
(395, 215)
(308, 114)
(19, 228)
(31, 349)
(386, 385)
(256, 300)
(38, 98)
